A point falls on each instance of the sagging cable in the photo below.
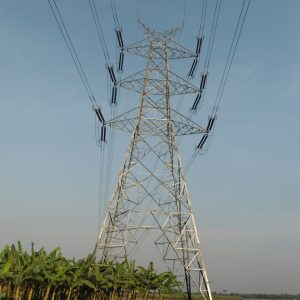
(199, 45)
(111, 73)
(193, 68)
(114, 96)
(99, 115)
(196, 102)
(103, 134)
(120, 38)
(203, 81)
(202, 141)
(121, 61)
(210, 124)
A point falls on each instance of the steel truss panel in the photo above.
(175, 51)
(156, 82)
(153, 123)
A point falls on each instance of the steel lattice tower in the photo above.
(153, 198)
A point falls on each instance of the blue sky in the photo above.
(245, 191)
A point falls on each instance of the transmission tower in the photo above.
(152, 199)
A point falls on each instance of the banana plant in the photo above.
(21, 261)
(116, 277)
(148, 279)
(132, 280)
(50, 276)
(167, 283)
(97, 274)
(77, 277)
(6, 261)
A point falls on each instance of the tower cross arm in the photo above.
(175, 50)
(156, 83)
(154, 124)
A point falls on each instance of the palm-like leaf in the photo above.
(45, 275)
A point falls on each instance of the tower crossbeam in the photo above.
(153, 125)
(156, 83)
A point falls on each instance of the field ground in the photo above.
(177, 297)
(195, 297)
(219, 297)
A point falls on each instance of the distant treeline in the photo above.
(264, 296)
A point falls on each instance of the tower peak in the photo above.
(152, 33)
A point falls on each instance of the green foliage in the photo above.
(42, 275)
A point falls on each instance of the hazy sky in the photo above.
(245, 191)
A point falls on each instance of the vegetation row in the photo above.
(40, 275)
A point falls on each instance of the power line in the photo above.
(109, 158)
(63, 29)
(115, 14)
(184, 13)
(233, 47)
(120, 42)
(200, 37)
(212, 33)
(137, 9)
(229, 60)
(99, 31)
(202, 18)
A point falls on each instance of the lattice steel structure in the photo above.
(152, 199)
